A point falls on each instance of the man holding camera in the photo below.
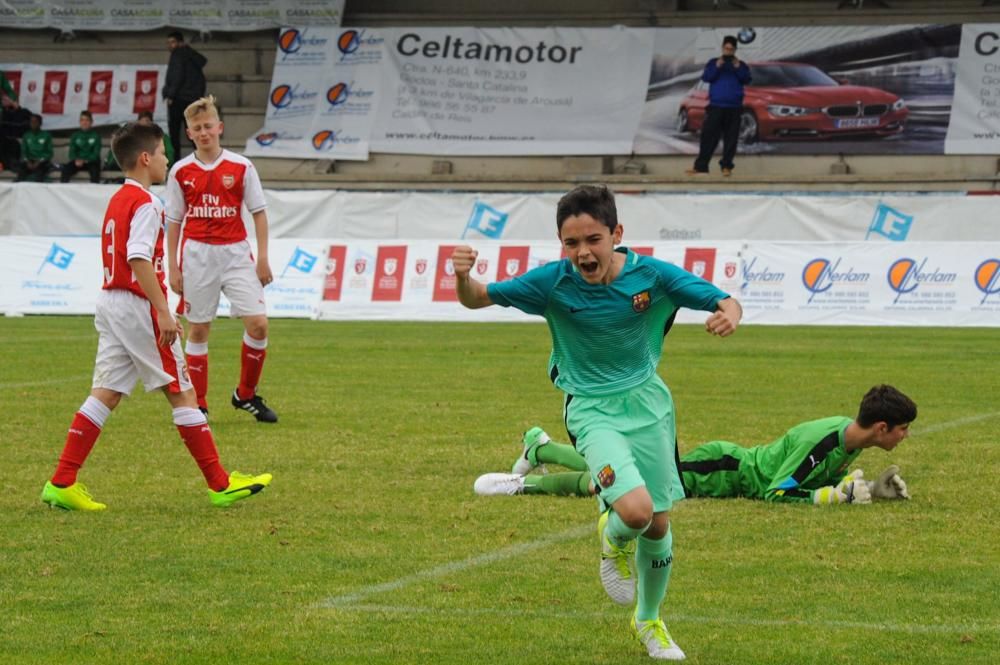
(726, 76)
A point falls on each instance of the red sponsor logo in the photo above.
(390, 264)
(101, 83)
(730, 269)
(700, 262)
(421, 266)
(32, 86)
(444, 276)
(606, 477)
(123, 86)
(334, 281)
(512, 263)
(78, 87)
(360, 265)
(482, 265)
(54, 92)
(145, 91)
(645, 251)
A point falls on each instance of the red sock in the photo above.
(198, 371)
(201, 445)
(252, 364)
(79, 442)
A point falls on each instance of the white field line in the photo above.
(510, 552)
(547, 613)
(349, 600)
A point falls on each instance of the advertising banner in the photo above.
(30, 208)
(323, 94)
(876, 89)
(202, 15)
(63, 275)
(112, 93)
(948, 284)
(511, 91)
(975, 116)
(934, 284)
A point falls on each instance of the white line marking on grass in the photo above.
(346, 600)
(455, 566)
(968, 420)
(44, 382)
(682, 618)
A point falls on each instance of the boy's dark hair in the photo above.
(87, 114)
(886, 404)
(176, 34)
(594, 200)
(40, 118)
(131, 140)
(730, 39)
(145, 114)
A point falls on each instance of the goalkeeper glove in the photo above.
(889, 485)
(852, 489)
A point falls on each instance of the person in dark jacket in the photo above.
(14, 122)
(185, 84)
(726, 76)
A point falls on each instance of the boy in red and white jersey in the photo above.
(206, 191)
(139, 339)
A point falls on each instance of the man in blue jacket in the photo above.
(726, 76)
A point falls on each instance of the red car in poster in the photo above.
(790, 100)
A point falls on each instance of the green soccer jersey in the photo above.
(606, 338)
(85, 145)
(809, 456)
(37, 145)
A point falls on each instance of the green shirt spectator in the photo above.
(37, 145)
(85, 144)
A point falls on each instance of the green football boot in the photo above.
(74, 497)
(241, 485)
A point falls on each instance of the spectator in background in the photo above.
(14, 122)
(144, 118)
(37, 148)
(84, 151)
(726, 76)
(185, 84)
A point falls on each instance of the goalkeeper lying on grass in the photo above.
(807, 464)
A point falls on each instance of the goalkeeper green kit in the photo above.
(809, 456)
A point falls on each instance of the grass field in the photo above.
(370, 547)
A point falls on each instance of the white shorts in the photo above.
(126, 347)
(209, 270)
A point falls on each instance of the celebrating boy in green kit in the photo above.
(606, 311)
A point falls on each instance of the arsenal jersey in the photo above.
(133, 229)
(208, 197)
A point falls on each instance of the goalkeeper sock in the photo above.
(653, 562)
(562, 454)
(558, 484)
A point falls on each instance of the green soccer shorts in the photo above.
(629, 440)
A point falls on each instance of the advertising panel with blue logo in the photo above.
(323, 94)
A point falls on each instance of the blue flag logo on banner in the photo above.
(301, 260)
(890, 223)
(58, 256)
(486, 220)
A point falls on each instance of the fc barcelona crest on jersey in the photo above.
(640, 301)
(228, 180)
(606, 476)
